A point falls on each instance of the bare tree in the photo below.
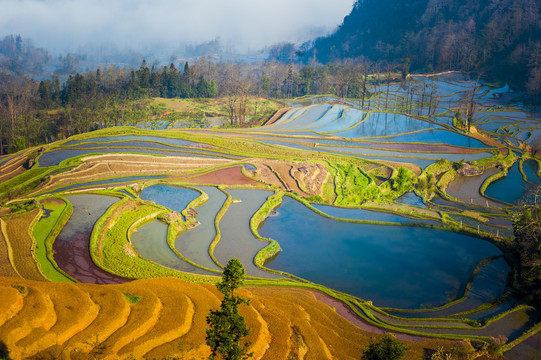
(388, 79)
(469, 102)
(361, 72)
(434, 97)
(343, 79)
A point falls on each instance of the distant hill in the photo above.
(19, 56)
(491, 36)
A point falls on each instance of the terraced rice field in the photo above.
(149, 210)
(166, 318)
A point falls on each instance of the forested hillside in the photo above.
(494, 37)
(19, 56)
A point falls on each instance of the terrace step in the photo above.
(75, 311)
(7, 267)
(280, 328)
(142, 318)
(205, 298)
(260, 335)
(175, 319)
(335, 333)
(12, 165)
(308, 335)
(114, 311)
(11, 172)
(22, 243)
(12, 303)
(37, 312)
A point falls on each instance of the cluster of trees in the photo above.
(33, 113)
(167, 82)
(495, 37)
(526, 250)
(19, 56)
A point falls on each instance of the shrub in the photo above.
(388, 348)
(403, 179)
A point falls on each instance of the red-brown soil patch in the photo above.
(72, 256)
(227, 176)
(264, 174)
(484, 138)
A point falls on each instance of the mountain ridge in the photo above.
(498, 38)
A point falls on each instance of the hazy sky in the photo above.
(70, 24)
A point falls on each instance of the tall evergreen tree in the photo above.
(227, 326)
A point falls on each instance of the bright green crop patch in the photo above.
(47, 228)
(352, 185)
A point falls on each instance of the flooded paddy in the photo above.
(309, 116)
(389, 153)
(126, 144)
(194, 244)
(71, 246)
(368, 215)
(350, 117)
(55, 157)
(237, 239)
(402, 267)
(109, 139)
(420, 159)
(411, 198)
(150, 241)
(487, 285)
(332, 114)
(435, 136)
(531, 170)
(398, 266)
(466, 188)
(173, 197)
(530, 349)
(116, 181)
(511, 189)
(477, 224)
(385, 124)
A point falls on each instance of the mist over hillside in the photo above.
(501, 38)
(160, 29)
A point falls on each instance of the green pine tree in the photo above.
(227, 326)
